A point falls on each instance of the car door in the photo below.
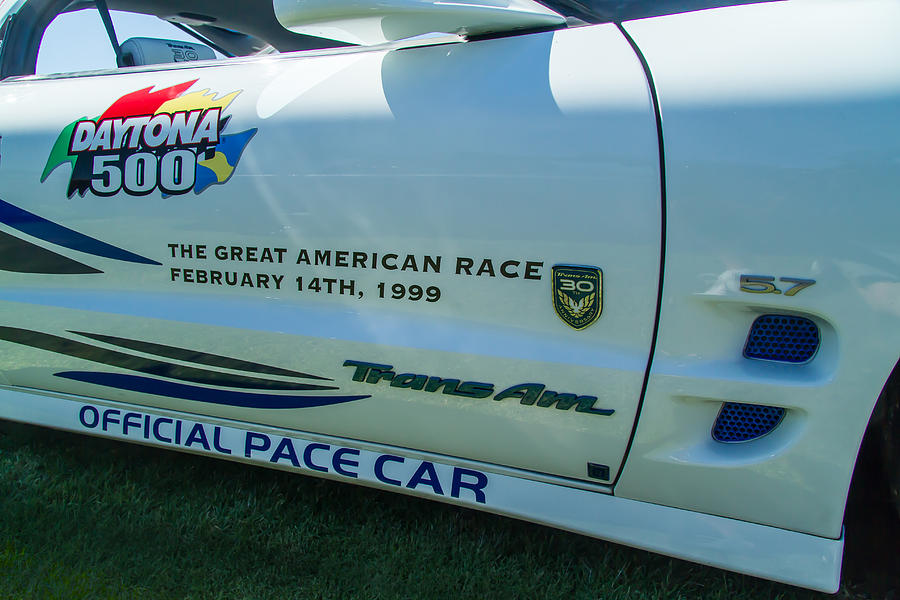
(449, 247)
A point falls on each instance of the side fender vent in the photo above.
(744, 422)
(782, 338)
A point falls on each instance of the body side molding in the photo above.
(759, 550)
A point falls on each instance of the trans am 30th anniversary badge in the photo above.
(577, 294)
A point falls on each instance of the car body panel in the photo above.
(413, 159)
(781, 158)
(756, 140)
(791, 557)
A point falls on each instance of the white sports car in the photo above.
(625, 268)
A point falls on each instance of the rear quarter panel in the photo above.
(781, 124)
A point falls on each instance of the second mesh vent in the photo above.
(744, 422)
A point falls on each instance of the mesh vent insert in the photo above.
(744, 422)
(782, 338)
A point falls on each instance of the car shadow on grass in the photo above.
(871, 532)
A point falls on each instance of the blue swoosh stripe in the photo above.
(146, 385)
(54, 233)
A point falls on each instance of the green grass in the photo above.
(87, 518)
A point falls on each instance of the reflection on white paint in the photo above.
(622, 85)
(359, 93)
(884, 296)
(725, 283)
(782, 61)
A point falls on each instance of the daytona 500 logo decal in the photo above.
(166, 139)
